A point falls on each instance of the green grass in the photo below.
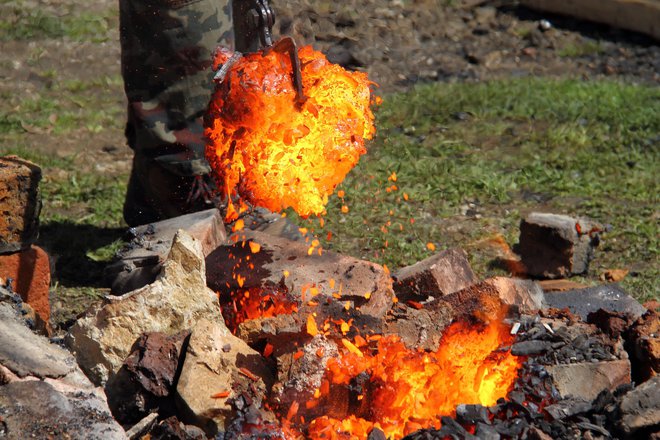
(578, 50)
(64, 106)
(21, 22)
(583, 148)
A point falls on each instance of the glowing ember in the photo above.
(407, 390)
(275, 154)
(256, 303)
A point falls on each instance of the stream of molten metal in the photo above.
(274, 154)
(409, 389)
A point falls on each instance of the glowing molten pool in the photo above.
(408, 390)
(272, 153)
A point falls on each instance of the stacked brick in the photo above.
(24, 266)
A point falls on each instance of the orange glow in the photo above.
(408, 389)
(256, 303)
(275, 154)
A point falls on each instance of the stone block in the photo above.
(146, 381)
(557, 246)
(27, 354)
(581, 302)
(29, 270)
(19, 203)
(36, 409)
(218, 366)
(585, 380)
(441, 274)
(141, 260)
(260, 261)
(526, 294)
(640, 408)
(103, 338)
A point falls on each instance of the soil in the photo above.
(399, 43)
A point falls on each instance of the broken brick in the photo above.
(557, 246)
(526, 294)
(20, 203)
(29, 271)
(441, 274)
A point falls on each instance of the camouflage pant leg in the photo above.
(167, 48)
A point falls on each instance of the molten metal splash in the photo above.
(273, 154)
(408, 390)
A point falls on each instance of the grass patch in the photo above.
(575, 50)
(65, 106)
(22, 22)
(472, 159)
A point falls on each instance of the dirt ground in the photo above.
(399, 43)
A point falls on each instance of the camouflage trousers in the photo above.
(166, 57)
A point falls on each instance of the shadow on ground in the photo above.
(79, 252)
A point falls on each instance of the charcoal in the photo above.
(452, 427)
(517, 396)
(376, 434)
(567, 408)
(511, 428)
(472, 414)
(527, 348)
(595, 428)
(486, 432)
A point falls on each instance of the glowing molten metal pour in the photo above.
(274, 153)
(408, 390)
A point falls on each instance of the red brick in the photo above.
(19, 203)
(441, 274)
(30, 271)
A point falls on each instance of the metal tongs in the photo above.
(257, 17)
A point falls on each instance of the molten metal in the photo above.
(407, 390)
(273, 153)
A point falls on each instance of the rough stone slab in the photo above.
(216, 361)
(146, 381)
(364, 284)
(35, 409)
(103, 338)
(20, 203)
(556, 246)
(644, 342)
(29, 270)
(141, 260)
(441, 274)
(420, 328)
(298, 377)
(584, 301)
(640, 408)
(526, 294)
(585, 380)
(27, 354)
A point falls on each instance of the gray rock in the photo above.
(441, 274)
(217, 361)
(557, 246)
(585, 380)
(640, 408)
(35, 409)
(141, 261)
(584, 301)
(27, 354)
(103, 338)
